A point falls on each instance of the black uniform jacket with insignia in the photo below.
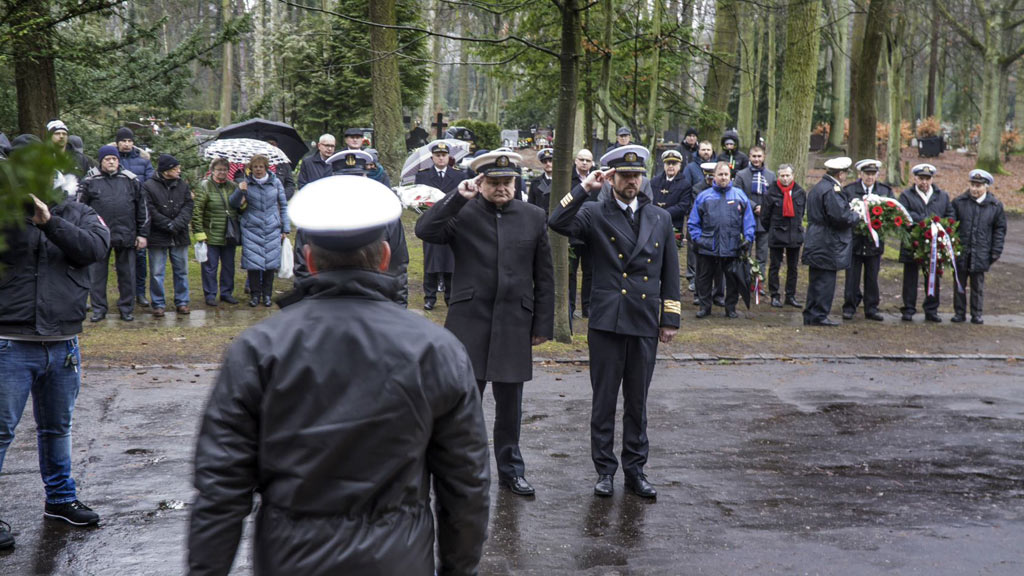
(435, 260)
(676, 197)
(342, 428)
(540, 193)
(636, 277)
(830, 220)
(939, 205)
(863, 245)
(503, 289)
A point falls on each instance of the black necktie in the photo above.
(632, 221)
(440, 174)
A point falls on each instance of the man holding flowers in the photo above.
(867, 253)
(924, 201)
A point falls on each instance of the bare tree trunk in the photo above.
(464, 68)
(653, 123)
(772, 58)
(588, 94)
(933, 69)
(867, 48)
(748, 65)
(436, 103)
(562, 177)
(387, 89)
(612, 115)
(722, 69)
(226, 75)
(894, 55)
(840, 70)
(35, 77)
(799, 76)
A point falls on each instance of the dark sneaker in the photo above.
(74, 513)
(6, 538)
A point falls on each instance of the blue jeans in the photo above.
(179, 270)
(224, 256)
(42, 370)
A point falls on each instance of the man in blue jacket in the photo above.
(721, 226)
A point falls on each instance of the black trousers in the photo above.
(627, 361)
(124, 267)
(911, 273)
(821, 288)
(852, 296)
(430, 283)
(508, 415)
(691, 259)
(579, 257)
(710, 269)
(976, 280)
(261, 282)
(792, 256)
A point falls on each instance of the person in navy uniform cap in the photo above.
(540, 188)
(634, 304)
(354, 163)
(923, 201)
(828, 244)
(351, 435)
(503, 292)
(982, 232)
(438, 260)
(867, 258)
(672, 191)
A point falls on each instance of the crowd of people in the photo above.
(279, 417)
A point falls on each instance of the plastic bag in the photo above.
(287, 260)
(200, 249)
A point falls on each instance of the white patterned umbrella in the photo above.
(420, 158)
(240, 150)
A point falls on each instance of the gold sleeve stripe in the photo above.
(672, 307)
(566, 199)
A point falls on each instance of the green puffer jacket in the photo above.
(211, 211)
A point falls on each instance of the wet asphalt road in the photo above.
(771, 468)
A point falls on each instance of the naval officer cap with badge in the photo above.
(350, 162)
(495, 180)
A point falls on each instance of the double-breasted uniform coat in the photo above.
(982, 233)
(828, 245)
(438, 260)
(939, 205)
(866, 258)
(635, 293)
(503, 294)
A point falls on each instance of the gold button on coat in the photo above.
(623, 291)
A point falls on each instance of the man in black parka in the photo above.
(982, 233)
(634, 304)
(342, 412)
(866, 256)
(503, 292)
(828, 243)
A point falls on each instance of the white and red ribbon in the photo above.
(933, 260)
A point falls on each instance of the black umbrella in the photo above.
(288, 139)
(739, 269)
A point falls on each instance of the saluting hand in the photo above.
(594, 180)
(470, 188)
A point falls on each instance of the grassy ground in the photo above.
(203, 336)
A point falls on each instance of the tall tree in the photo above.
(722, 70)
(867, 46)
(933, 70)
(749, 59)
(840, 12)
(895, 72)
(34, 73)
(652, 103)
(770, 72)
(799, 77)
(387, 88)
(568, 62)
(999, 21)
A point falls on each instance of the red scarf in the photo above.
(787, 199)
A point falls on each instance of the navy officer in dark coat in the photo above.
(503, 295)
(634, 304)
(867, 258)
(982, 233)
(438, 260)
(540, 188)
(828, 243)
(924, 200)
(343, 448)
(672, 189)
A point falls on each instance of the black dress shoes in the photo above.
(519, 486)
(792, 301)
(826, 322)
(776, 303)
(703, 313)
(228, 299)
(932, 318)
(847, 315)
(907, 317)
(141, 301)
(604, 486)
(977, 320)
(958, 318)
(96, 317)
(720, 302)
(428, 305)
(641, 487)
(731, 314)
(874, 316)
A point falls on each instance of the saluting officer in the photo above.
(866, 256)
(634, 304)
(438, 260)
(828, 242)
(923, 200)
(503, 298)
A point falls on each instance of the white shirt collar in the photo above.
(925, 196)
(623, 205)
(981, 198)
